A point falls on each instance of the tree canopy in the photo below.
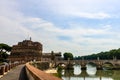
(114, 53)
(68, 55)
(4, 49)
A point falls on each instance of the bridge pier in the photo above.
(69, 65)
(99, 65)
(83, 66)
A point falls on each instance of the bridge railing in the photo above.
(36, 74)
(4, 68)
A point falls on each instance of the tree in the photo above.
(68, 55)
(4, 49)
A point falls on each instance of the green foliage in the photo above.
(59, 71)
(103, 55)
(4, 55)
(59, 68)
(68, 55)
(78, 58)
(4, 49)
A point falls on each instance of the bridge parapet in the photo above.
(36, 74)
(4, 68)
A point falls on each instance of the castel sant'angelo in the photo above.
(27, 50)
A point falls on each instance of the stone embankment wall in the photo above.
(36, 74)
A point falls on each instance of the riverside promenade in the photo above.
(16, 73)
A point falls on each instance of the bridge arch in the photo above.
(92, 63)
(108, 65)
(60, 64)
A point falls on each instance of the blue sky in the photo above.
(81, 27)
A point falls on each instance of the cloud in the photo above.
(92, 15)
(78, 39)
(50, 34)
(90, 9)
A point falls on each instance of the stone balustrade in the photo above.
(7, 67)
(36, 74)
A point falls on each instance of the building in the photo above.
(26, 50)
(48, 56)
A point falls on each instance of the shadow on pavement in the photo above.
(23, 75)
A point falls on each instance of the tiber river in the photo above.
(90, 74)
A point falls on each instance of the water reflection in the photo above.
(91, 70)
(77, 69)
(90, 74)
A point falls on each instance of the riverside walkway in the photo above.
(16, 73)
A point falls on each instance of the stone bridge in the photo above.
(99, 63)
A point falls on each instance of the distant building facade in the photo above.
(48, 56)
(26, 50)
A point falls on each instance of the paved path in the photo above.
(17, 73)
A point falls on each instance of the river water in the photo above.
(90, 74)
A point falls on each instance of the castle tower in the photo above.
(27, 50)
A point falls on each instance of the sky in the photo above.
(82, 27)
